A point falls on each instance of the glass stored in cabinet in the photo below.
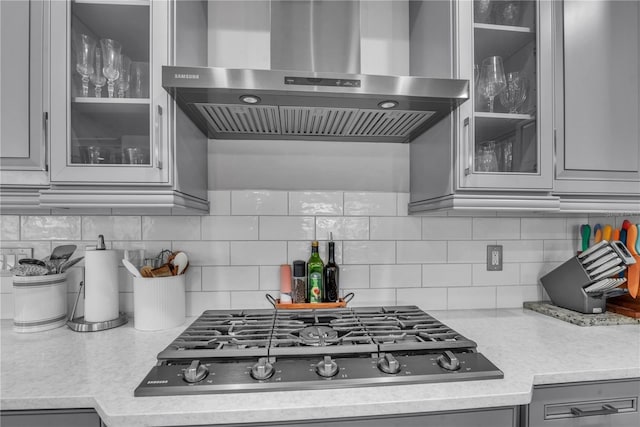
(505, 85)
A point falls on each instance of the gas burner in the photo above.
(319, 336)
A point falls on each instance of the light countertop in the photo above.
(65, 369)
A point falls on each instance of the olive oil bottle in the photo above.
(315, 268)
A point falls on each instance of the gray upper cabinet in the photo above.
(496, 149)
(117, 140)
(23, 93)
(598, 100)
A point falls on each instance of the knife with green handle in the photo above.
(585, 234)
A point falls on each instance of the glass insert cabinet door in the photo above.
(105, 83)
(507, 138)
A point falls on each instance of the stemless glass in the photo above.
(97, 78)
(84, 46)
(492, 80)
(124, 77)
(111, 52)
(140, 79)
(515, 93)
(482, 11)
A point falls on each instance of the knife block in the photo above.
(565, 286)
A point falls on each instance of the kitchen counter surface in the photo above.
(66, 369)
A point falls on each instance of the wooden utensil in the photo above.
(633, 270)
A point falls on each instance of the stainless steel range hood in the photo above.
(331, 100)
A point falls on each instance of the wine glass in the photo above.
(515, 92)
(84, 46)
(97, 78)
(124, 77)
(111, 54)
(492, 80)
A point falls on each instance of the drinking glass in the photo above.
(486, 160)
(124, 76)
(515, 92)
(84, 46)
(509, 13)
(97, 78)
(111, 53)
(140, 79)
(482, 11)
(492, 80)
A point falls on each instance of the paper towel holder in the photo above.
(78, 324)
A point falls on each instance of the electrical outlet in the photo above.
(9, 257)
(494, 257)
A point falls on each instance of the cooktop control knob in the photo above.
(448, 361)
(327, 367)
(389, 364)
(196, 372)
(263, 370)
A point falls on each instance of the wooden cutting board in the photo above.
(625, 305)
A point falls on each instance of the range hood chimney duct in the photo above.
(314, 89)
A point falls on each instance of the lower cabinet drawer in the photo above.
(50, 418)
(603, 403)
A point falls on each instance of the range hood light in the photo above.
(386, 105)
(250, 99)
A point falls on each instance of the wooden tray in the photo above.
(341, 303)
(625, 305)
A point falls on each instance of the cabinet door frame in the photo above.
(575, 181)
(465, 178)
(62, 172)
(37, 95)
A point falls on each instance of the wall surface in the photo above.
(385, 256)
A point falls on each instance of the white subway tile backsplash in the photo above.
(435, 261)
(514, 296)
(258, 253)
(369, 252)
(544, 228)
(270, 277)
(446, 228)
(9, 227)
(354, 276)
(287, 228)
(522, 250)
(419, 252)
(445, 275)
(343, 228)
(371, 297)
(496, 228)
(112, 227)
(230, 278)
(380, 204)
(259, 202)
(509, 276)
(472, 297)
(467, 252)
(396, 276)
(230, 227)
(559, 250)
(395, 228)
(205, 252)
(219, 202)
(171, 228)
(316, 203)
(50, 228)
(425, 298)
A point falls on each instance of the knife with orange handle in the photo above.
(606, 232)
(597, 233)
(615, 235)
(633, 270)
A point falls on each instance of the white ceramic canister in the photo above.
(40, 302)
(158, 302)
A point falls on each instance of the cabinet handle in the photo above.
(605, 410)
(466, 130)
(158, 142)
(45, 140)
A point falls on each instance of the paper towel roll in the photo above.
(101, 285)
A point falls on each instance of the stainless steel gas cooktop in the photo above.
(258, 350)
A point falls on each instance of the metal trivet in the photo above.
(78, 324)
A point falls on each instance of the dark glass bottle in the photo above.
(331, 276)
(315, 268)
